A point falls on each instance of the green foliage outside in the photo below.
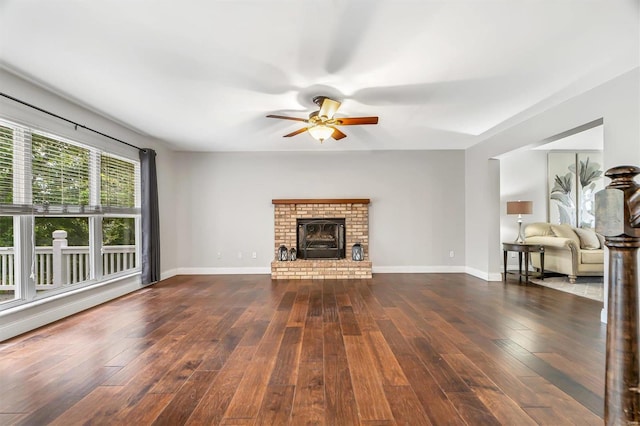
(61, 176)
(60, 172)
(118, 231)
(115, 231)
(6, 231)
(77, 230)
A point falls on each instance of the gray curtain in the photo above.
(150, 223)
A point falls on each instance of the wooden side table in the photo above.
(523, 249)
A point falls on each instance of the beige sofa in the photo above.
(571, 251)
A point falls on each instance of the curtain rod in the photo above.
(67, 120)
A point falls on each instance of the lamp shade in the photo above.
(519, 207)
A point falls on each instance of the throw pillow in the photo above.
(601, 238)
(565, 231)
(588, 238)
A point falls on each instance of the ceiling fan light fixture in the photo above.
(321, 123)
(320, 132)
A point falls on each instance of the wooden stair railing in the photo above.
(618, 219)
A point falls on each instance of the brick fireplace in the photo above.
(356, 230)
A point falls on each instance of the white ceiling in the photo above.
(202, 75)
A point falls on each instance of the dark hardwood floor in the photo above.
(406, 349)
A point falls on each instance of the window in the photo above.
(7, 282)
(7, 255)
(73, 207)
(118, 244)
(118, 181)
(60, 172)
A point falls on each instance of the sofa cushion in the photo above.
(565, 231)
(588, 238)
(538, 229)
(592, 256)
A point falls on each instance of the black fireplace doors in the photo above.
(321, 238)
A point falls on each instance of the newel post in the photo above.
(618, 219)
(59, 265)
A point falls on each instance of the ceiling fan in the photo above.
(322, 122)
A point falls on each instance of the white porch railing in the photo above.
(6, 266)
(56, 267)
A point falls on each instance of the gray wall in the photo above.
(416, 211)
(516, 185)
(617, 102)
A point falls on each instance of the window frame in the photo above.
(25, 291)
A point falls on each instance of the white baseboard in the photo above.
(484, 275)
(375, 269)
(418, 269)
(437, 270)
(20, 319)
(168, 274)
(224, 271)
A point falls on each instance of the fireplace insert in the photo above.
(321, 238)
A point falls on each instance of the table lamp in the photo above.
(519, 208)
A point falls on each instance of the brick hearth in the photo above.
(356, 214)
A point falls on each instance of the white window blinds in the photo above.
(119, 184)
(6, 165)
(60, 173)
(15, 169)
(44, 174)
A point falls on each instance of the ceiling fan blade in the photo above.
(337, 134)
(328, 108)
(284, 117)
(351, 121)
(297, 132)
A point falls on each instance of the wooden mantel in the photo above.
(322, 201)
